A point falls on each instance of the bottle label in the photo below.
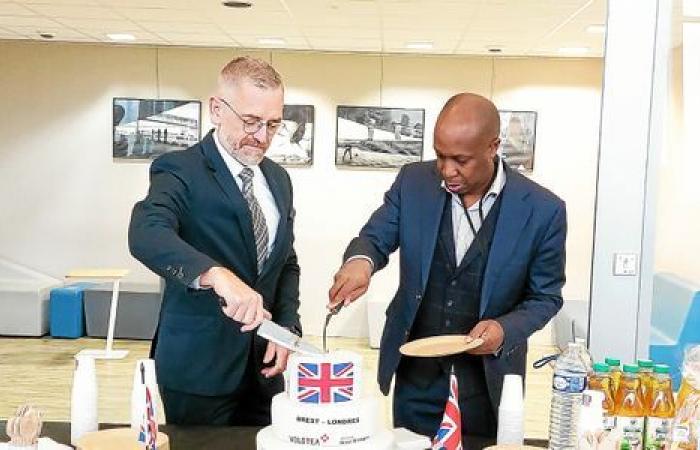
(569, 384)
(681, 433)
(632, 431)
(657, 430)
(608, 422)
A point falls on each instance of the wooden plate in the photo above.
(118, 439)
(440, 345)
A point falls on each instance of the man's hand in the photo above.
(492, 334)
(350, 282)
(243, 304)
(279, 354)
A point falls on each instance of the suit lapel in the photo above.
(282, 199)
(228, 185)
(432, 203)
(514, 215)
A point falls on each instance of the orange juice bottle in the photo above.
(615, 372)
(646, 376)
(629, 409)
(689, 385)
(661, 410)
(601, 381)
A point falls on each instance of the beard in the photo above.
(248, 151)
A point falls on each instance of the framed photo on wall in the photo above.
(375, 137)
(293, 145)
(518, 139)
(146, 128)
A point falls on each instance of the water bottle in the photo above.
(570, 371)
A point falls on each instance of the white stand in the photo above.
(113, 276)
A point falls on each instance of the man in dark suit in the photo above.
(217, 224)
(482, 253)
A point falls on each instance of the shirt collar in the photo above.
(495, 188)
(234, 165)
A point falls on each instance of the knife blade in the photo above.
(282, 336)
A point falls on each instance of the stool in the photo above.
(66, 316)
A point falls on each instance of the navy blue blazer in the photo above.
(193, 218)
(523, 276)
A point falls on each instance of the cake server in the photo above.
(330, 314)
(282, 336)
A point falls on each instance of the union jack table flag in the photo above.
(449, 435)
(149, 427)
(325, 382)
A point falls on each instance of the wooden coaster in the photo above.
(440, 345)
(118, 439)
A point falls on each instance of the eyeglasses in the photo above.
(252, 125)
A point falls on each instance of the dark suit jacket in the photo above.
(523, 277)
(195, 217)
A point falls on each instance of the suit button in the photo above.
(418, 297)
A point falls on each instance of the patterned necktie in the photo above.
(256, 214)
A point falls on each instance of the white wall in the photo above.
(66, 204)
(677, 244)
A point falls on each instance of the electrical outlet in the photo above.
(625, 264)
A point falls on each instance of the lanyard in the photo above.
(481, 202)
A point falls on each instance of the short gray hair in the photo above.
(261, 73)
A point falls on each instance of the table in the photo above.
(113, 276)
(205, 437)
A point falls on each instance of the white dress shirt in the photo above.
(461, 231)
(261, 190)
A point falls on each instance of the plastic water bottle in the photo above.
(570, 371)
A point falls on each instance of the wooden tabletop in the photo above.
(98, 273)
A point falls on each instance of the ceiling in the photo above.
(518, 27)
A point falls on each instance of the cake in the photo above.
(323, 406)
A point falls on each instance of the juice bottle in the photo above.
(646, 376)
(688, 385)
(661, 410)
(615, 372)
(684, 432)
(629, 409)
(601, 381)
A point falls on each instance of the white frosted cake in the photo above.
(323, 407)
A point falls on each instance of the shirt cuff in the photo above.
(365, 257)
(195, 283)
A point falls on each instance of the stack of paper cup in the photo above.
(138, 391)
(511, 412)
(83, 406)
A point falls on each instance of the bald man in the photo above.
(217, 224)
(482, 253)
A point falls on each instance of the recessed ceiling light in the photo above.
(573, 50)
(46, 35)
(595, 29)
(419, 45)
(234, 4)
(121, 37)
(272, 41)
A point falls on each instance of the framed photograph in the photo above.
(518, 139)
(369, 136)
(145, 128)
(293, 145)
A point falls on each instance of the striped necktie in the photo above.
(256, 214)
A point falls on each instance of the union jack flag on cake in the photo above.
(327, 379)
